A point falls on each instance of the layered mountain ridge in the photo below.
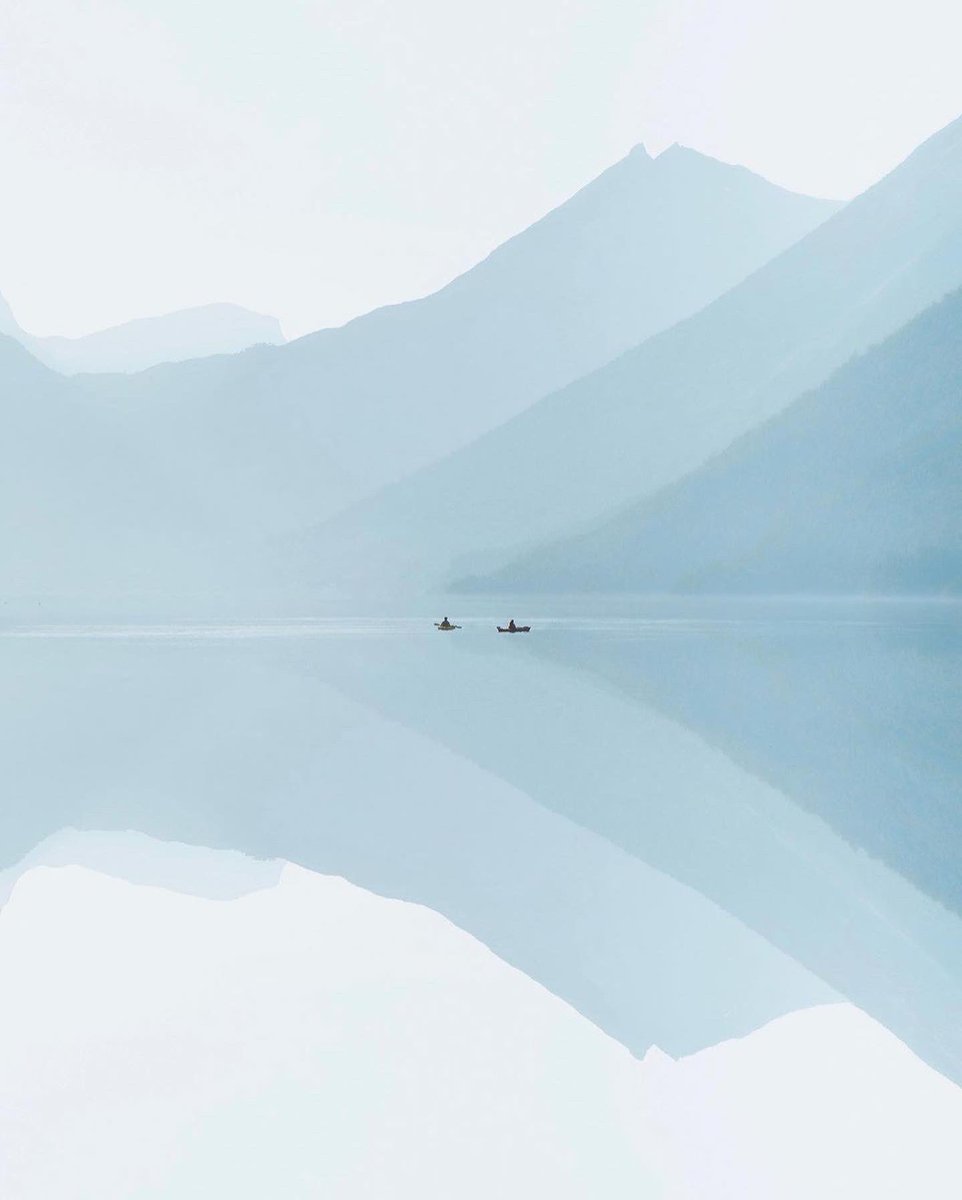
(136, 345)
(243, 449)
(856, 488)
(661, 410)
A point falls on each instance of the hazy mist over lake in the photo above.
(481, 601)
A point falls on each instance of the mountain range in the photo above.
(260, 445)
(661, 410)
(856, 488)
(136, 345)
(647, 243)
(410, 449)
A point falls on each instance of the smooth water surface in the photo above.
(683, 818)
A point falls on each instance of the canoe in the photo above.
(517, 629)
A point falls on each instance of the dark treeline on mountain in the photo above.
(856, 488)
(661, 410)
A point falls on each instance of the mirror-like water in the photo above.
(684, 820)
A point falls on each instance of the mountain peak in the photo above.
(678, 152)
(639, 153)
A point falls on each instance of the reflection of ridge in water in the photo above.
(857, 722)
(235, 745)
(238, 742)
(658, 790)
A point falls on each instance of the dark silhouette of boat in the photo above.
(512, 628)
(445, 626)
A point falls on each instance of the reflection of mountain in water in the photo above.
(237, 745)
(657, 790)
(856, 722)
(588, 838)
(317, 1040)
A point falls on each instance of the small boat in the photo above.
(512, 628)
(445, 626)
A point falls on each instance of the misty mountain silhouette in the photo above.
(647, 243)
(659, 411)
(135, 345)
(83, 499)
(856, 488)
(266, 442)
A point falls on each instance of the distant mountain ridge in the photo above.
(644, 245)
(856, 488)
(262, 444)
(83, 502)
(145, 342)
(661, 410)
(648, 242)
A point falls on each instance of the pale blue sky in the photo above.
(314, 158)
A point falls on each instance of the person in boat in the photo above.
(445, 624)
(512, 628)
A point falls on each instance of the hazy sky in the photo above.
(314, 158)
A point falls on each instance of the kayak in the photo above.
(445, 628)
(517, 629)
